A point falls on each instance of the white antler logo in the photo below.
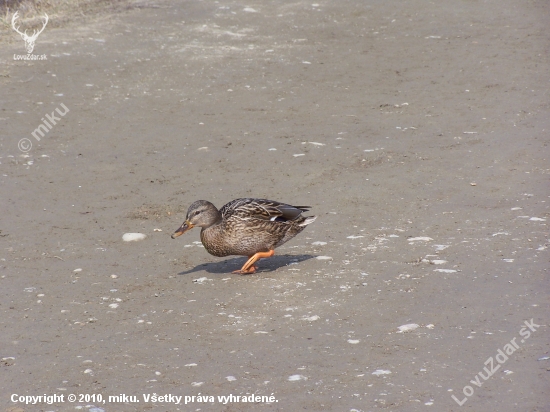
(29, 40)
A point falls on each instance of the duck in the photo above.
(246, 227)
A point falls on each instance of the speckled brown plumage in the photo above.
(247, 227)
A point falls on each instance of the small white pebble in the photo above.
(114, 276)
(407, 328)
(319, 243)
(113, 305)
(379, 372)
(201, 280)
(77, 270)
(420, 238)
(196, 384)
(133, 237)
(230, 378)
(293, 378)
(323, 258)
(353, 341)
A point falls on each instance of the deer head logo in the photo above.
(29, 40)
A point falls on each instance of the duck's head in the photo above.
(202, 214)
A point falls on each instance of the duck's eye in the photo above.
(197, 212)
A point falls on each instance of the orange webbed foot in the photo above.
(249, 268)
(250, 271)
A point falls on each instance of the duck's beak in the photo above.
(185, 226)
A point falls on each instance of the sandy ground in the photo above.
(417, 131)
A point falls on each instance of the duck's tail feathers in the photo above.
(308, 220)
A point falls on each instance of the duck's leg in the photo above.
(248, 267)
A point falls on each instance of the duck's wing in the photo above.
(261, 209)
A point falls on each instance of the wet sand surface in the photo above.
(417, 131)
